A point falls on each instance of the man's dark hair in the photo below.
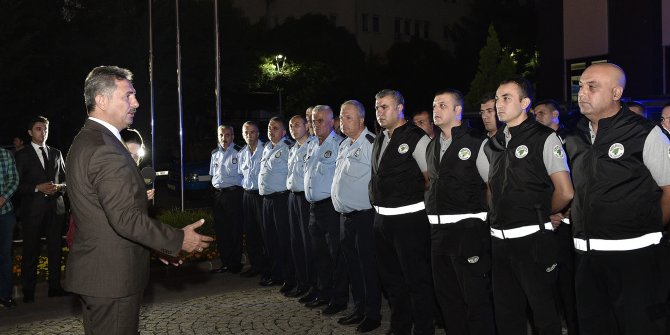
(488, 96)
(458, 96)
(551, 102)
(397, 96)
(129, 135)
(278, 119)
(525, 87)
(251, 123)
(102, 80)
(37, 119)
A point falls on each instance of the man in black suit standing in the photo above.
(41, 187)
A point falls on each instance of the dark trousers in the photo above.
(402, 244)
(277, 236)
(565, 294)
(301, 248)
(623, 292)
(461, 262)
(34, 223)
(324, 228)
(7, 224)
(252, 206)
(112, 316)
(358, 248)
(519, 281)
(228, 226)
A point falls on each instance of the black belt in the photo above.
(251, 192)
(226, 189)
(298, 193)
(321, 202)
(355, 213)
(275, 194)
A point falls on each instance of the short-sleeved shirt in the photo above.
(223, 167)
(352, 174)
(320, 167)
(274, 167)
(249, 165)
(295, 182)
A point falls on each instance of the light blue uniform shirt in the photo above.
(223, 167)
(250, 165)
(352, 174)
(274, 167)
(320, 167)
(295, 182)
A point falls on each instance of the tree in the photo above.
(494, 66)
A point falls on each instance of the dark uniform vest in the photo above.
(521, 189)
(615, 194)
(397, 181)
(455, 184)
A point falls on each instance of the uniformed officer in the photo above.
(308, 117)
(529, 180)
(324, 221)
(456, 208)
(298, 210)
(272, 186)
(227, 183)
(350, 198)
(621, 172)
(249, 161)
(547, 112)
(487, 111)
(402, 232)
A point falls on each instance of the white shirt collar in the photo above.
(108, 126)
(37, 147)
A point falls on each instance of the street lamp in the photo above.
(280, 60)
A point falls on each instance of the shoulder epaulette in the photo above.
(288, 142)
(370, 138)
(215, 150)
(237, 147)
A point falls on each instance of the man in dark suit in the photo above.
(108, 265)
(41, 186)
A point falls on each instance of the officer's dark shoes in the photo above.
(368, 325)
(316, 303)
(270, 282)
(351, 319)
(251, 272)
(8, 303)
(223, 269)
(297, 292)
(309, 297)
(286, 288)
(333, 309)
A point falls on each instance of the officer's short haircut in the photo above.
(456, 94)
(486, 97)
(524, 85)
(551, 103)
(299, 116)
(250, 123)
(102, 81)
(426, 111)
(397, 96)
(278, 119)
(37, 119)
(323, 108)
(358, 105)
(225, 126)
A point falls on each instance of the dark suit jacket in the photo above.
(32, 173)
(110, 253)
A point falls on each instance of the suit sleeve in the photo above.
(124, 201)
(25, 187)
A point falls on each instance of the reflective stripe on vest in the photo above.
(618, 245)
(518, 232)
(446, 219)
(400, 210)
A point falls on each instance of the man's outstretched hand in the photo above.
(194, 241)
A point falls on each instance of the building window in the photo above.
(375, 24)
(364, 22)
(575, 69)
(426, 30)
(408, 27)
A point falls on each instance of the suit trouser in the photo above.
(565, 294)
(301, 248)
(228, 226)
(623, 292)
(519, 281)
(33, 223)
(277, 236)
(358, 249)
(252, 206)
(111, 316)
(324, 228)
(7, 224)
(402, 244)
(461, 262)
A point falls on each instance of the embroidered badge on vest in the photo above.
(521, 151)
(473, 259)
(278, 154)
(357, 152)
(558, 151)
(328, 154)
(403, 148)
(234, 160)
(464, 154)
(615, 151)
